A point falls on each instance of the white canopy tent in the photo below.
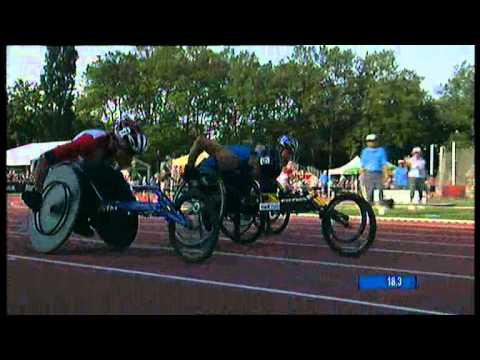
(22, 155)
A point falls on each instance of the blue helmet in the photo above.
(289, 143)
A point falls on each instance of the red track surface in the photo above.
(293, 273)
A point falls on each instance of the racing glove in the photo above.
(33, 199)
(190, 173)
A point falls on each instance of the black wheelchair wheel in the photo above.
(117, 229)
(276, 222)
(349, 225)
(209, 185)
(52, 225)
(246, 225)
(197, 242)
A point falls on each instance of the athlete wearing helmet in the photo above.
(234, 162)
(289, 144)
(129, 132)
(93, 148)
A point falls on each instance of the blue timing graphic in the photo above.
(386, 282)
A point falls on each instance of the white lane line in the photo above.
(228, 285)
(380, 238)
(379, 234)
(373, 249)
(316, 223)
(294, 260)
(396, 241)
(396, 221)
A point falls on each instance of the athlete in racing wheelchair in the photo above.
(101, 155)
(239, 166)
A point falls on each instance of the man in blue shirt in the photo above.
(324, 182)
(401, 175)
(373, 161)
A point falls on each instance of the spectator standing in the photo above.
(416, 174)
(373, 167)
(324, 182)
(401, 176)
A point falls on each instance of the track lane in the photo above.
(264, 266)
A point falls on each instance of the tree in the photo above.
(25, 122)
(58, 83)
(324, 96)
(456, 105)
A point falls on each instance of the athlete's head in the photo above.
(288, 146)
(129, 140)
(130, 137)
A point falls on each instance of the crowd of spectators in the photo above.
(22, 177)
(296, 180)
(16, 181)
(163, 178)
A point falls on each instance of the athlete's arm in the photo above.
(201, 144)
(70, 151)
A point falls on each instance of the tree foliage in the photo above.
(58, 84)
(456, 105)
(25, 122)
(327, 97)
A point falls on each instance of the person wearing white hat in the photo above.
(416, 174)
(373, 161)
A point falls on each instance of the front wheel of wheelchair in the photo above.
(349, 225)
(276, 222)
(196, 242)
(245, 226)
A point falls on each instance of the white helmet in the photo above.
(130, 131)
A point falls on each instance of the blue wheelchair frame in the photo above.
(163, 207)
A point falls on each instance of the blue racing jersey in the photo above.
(243, 152)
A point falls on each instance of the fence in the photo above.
(462, 174)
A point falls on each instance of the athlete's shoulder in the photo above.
(94, 133)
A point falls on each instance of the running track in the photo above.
(294, 273)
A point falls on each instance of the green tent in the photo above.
(353, 167)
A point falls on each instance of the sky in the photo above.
(436, 63)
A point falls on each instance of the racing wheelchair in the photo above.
(74, 192)
(348, 221)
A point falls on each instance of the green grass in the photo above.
(431, 213)
(421, 212)
(456, 202)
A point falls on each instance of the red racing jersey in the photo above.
(88, 145)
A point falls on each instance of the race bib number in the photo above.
(270, 202)
(265, 160)
(269, 206)
(124, 132)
